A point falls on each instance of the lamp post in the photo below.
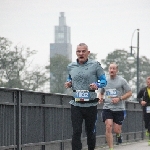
(137, 58)
(137, 67)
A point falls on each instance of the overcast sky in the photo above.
(104, 25)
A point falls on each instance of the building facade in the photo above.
(62, 44)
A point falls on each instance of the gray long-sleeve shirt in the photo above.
(82, 75)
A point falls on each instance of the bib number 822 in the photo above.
(82, 94)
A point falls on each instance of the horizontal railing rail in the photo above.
(41, 121)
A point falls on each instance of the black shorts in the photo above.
(117, 116)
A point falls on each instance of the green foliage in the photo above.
(126, 69)
(58, 73)
(92, 56)
(120, 57)
(14, 66)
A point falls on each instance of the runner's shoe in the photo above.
(118, 140)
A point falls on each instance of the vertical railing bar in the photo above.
(18, 120)
(135, 137)
(14, 101)
(44, 131)
(62, 134)
(3, 125)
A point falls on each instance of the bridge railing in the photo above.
(41, 121)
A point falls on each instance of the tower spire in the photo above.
(62, 19)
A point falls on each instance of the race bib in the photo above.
(111, 93)
(82, 95)
(148, 109)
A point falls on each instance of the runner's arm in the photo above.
(102, 81)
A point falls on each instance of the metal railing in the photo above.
(41, 121)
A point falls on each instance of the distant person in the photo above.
(115, 93)
(84, 77)
(144, 99)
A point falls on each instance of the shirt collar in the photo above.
(83, 62)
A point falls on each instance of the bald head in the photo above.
(113, 64)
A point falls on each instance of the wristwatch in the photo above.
(120, 98)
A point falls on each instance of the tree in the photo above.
(14, 66)
(35, 79)
(120, 57)
(93, 56)
(58, 73)
(127, 70)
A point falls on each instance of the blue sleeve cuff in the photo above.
(102, 81)
(69, 78)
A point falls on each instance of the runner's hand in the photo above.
(68, 84)
(115, 100)
(143, 103)
(93, 86)
(101, 100)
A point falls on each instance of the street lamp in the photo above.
(131, 58)
(137, 65)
